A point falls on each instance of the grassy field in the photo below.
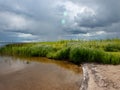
(76, 51)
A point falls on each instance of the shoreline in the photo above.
(100, 77)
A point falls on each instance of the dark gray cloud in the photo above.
(74, 31)
(35, 20)
(106, 14)
(95, 16)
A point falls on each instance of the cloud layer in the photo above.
(38, 20)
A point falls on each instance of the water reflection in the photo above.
(62, 64)
(15, 63)
(38, 74)
(8, 65)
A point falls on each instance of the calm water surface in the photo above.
(38, 74)
(1, 44)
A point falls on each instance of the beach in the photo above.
(101, 77)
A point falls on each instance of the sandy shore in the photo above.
(101, 77)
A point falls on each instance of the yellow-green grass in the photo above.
(76, 51)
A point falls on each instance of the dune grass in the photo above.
(76, 51)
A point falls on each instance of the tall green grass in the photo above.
(61, 54)
(35, 50)
(112, 47)
(100, 51)
(110, 58)
(83, 54)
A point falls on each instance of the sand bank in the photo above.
(101, 77)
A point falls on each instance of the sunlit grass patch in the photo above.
(76, 51)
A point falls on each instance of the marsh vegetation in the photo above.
(76, 51)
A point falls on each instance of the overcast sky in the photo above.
(42, 20)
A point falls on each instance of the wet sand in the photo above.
(101, 77)
(24, 75)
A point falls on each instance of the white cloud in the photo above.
(94, 33)
(72, 9)
(13, 21)
(17, 22)
(23, 35)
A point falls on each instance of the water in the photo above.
(1, 44)
(38, 74)
(5, 43)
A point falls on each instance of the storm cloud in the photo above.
(39, 20)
